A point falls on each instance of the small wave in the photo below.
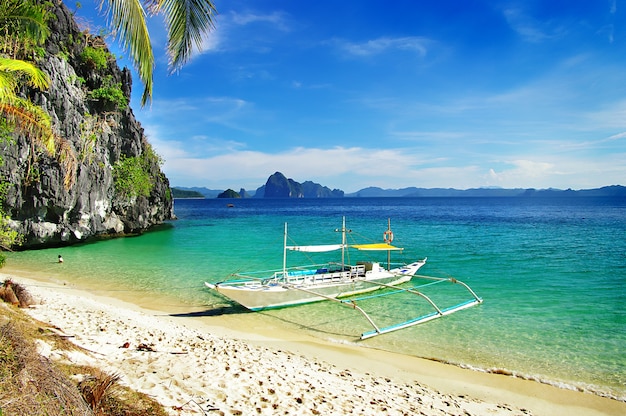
(583, 388)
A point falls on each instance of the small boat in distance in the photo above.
(335, 281)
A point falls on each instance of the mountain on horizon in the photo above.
(414, 192)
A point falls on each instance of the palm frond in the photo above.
(36, 77)
(128, 22)
(31, 120)
(23, 18)
(187, 22)
(67, 158)
(8, 84)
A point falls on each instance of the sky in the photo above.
(357, 93)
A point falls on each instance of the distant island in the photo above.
(412, 192)
(186, 193)
(276, 186)
(279, 186)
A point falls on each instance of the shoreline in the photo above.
(399, 378)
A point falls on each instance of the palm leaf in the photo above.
(187, 22)
(33, 121)
(129, 26)
(67, 158)
(8, 84)
(36, 76)
(25, 20)
(30, 120)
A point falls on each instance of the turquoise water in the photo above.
(552, 273)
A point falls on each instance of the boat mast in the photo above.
(285, 252)
(389, 251)
(343, 242)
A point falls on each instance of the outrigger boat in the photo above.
(335, 281)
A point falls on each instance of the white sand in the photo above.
(195, 369)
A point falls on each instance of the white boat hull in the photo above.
(258, 295)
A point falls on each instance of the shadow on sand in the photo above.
(219, 311)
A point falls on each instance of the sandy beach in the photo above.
(196, 367)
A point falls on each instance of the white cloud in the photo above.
(230, 30)
(530, 29)
(416, 44)
(276, 19)
(355, 168)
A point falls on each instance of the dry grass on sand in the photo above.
(32, 385)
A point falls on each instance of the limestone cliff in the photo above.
(101, 130)
(278, 186)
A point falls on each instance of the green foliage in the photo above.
(229, 193)
(131, 175)
(110, 94)
(90, 128)
(130, 178)
(23, 28)
(64, 55)
(8, 237)
(183, 193)
(95, 58)
(75, 78)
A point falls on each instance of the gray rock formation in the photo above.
(278, 186)
(99, 133)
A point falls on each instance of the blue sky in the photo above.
(351, 94)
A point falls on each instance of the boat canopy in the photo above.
(316, 249)
(376, 246)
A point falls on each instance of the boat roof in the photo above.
(376, 246)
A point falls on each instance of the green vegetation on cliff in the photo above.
(73, 147)
(22, 30)
(132, 174)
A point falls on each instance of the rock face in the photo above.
(99, 133)
(315, 190)
(278, 186)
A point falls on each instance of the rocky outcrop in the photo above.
(315, 190)
(278, 186)
(100, 131)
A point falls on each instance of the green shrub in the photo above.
(95, 58)
(131, 175)
(110, 94)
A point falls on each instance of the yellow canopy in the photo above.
(376, 246)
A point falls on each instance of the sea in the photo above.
(551, 273)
